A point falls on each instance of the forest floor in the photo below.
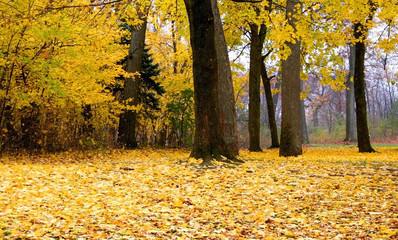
(327, 193)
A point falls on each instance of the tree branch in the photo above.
(88, 5)
(267, 54)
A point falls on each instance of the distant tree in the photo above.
(304, 131)
(180, 114)
(270, 107)
(350, 134)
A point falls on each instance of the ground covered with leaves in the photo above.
(328, 193)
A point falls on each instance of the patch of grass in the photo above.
(351, 145)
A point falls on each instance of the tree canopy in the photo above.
(58, 60)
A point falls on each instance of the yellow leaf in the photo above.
(178, 202)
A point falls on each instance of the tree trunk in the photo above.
(128, 119)
(162, 136)
(275, 97)
(29, 128)
(315, 116)
(291, 142)
(88, 128)
(359, 88)
(211, 140)
(270, 107)
(350, 135)
(254, 89)
(304, 131)
(226, 95)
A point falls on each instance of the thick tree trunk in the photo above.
(128, 119)
(304, 131)
(254, 89)
(359, 88)
(350, 135)
(210, 140)
(270, 107)
(291, 144)
(226, 95)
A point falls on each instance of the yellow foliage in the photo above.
(59, 56)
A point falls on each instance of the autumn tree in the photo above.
(270, 106)
(215, 117)
(128, 119)
(54, 63)
(359, 87)
(167, 33)
(304, 132)
(256, 46)
(252, 16)
(350, 99)
(291, 141)
(149, 94)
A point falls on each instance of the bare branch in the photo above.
(241, 52)
(88, 5)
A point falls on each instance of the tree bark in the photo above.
(226, 95)
(270, 107)
(128, 119)
(359, 88)
(291, 141)
(212, 139)
(350, 135)
(254, 89)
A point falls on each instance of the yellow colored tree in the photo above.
(56, 59)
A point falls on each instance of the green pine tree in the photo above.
(150, 90)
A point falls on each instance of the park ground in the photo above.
(327, 193)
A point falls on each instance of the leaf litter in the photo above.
(327, 193)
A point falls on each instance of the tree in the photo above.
(149, 89)
(167, 34)
(214, 137)
(53, 63)
(291, 142)
(350, 135)
(270, 107)
(360, 32)
(256, 46)
(128, 119)
(304, 132)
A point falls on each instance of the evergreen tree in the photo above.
(149, 89)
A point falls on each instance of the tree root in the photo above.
(273, 147)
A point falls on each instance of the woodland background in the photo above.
(63, 65)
